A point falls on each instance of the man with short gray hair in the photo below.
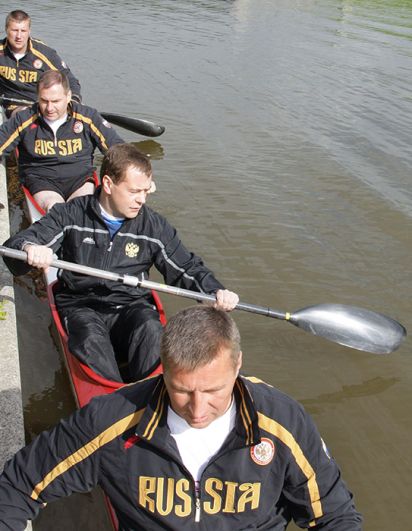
(200, 447)
(56, 138)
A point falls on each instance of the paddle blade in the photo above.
(142, 127)
(351, 326)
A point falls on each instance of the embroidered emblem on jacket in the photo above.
(132, 250)
(263, 453)
(37, 63)
(77, 127)
(89, 240)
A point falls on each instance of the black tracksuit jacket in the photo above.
(65, 155)
(272, 467)
(78, 233)
(18, 78)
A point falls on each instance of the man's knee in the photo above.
(84, 322)
(86, 189)
(47, 198)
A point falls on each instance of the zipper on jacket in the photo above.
(197, 512)
(110, 246)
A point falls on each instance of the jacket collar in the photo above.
(154, 429)
(95, 206)
(40, 116)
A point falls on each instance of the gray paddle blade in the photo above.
(351, 326)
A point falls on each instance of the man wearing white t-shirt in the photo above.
(56, 138)
(22, 61)
(198, 447)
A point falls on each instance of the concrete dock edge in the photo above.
(11, 408)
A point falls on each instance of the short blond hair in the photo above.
(196, 335)
(17, 16)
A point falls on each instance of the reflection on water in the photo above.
(151, 148)
(286, 165)
(370, 388)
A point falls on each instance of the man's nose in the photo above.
(198, 404)
(141, 197)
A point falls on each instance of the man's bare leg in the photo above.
(86, 189)
(47, 198)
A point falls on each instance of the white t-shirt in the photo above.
(197, 446)
(55, 124)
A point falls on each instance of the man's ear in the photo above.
(107, 184)
(239, 362)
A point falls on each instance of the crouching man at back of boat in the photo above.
(56, 138)
(199, 447)
(115, 230)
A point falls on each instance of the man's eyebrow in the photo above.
(186, 390)
(139, 189)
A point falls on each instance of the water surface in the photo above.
(286, 164)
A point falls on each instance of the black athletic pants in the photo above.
(104, 339)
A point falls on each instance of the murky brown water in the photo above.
(286, 164)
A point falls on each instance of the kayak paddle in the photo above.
(140, 126)
(347, 325)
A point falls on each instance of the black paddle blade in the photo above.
(351, 326)
(142, 127)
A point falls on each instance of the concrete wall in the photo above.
(11, 410)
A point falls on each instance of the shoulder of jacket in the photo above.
(75, 209)
(25, 118)
(154, 216)
(272, 401)
(40, 44)
(141, 391)
(83, 112)
(83, 202)
(124, 401)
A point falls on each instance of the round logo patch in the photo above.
(131, 250)
(37, 63)
(263, 453)
(78, 127)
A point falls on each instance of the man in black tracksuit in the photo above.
(114, 230)
(270, 467)
(56, 139)
(23, 59)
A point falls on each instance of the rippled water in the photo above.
(286, 164)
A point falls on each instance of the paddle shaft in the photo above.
(130, 280)
(136, 125)
(347, 325)
(15, 101)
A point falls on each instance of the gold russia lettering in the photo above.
(157, 495)
(61, 147)
(24, 76)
